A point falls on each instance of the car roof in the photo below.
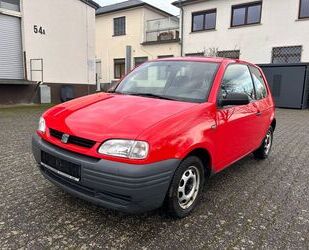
(203, 59)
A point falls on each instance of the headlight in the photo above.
(125, 148)
(42, 125)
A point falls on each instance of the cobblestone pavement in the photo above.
(253, 204)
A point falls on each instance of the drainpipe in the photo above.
(128, 60)
(181, 30)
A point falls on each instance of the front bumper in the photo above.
(125, 187)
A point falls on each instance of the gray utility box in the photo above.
(45, 94)
(289, 84)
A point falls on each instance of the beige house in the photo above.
(130, 33)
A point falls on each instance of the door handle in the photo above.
(259, 113)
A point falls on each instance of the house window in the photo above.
(10, 5)
(290, 54)
(139, 60)
(195, 54)
(246, 14)
(205, 20)
(119, 68)
(304, 9)
(119, 26)
(232, 54)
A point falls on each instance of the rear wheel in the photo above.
(186, 187)
(264, 150)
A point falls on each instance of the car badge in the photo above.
(65, 138)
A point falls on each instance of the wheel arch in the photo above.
(204, 155)
(273, 124)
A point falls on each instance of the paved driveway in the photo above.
(253, 204)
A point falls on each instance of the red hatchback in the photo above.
(167, 126)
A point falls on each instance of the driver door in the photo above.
(236, 125)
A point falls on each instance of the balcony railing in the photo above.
(162, 30)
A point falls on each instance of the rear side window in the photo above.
(260, 85)
(237, 79)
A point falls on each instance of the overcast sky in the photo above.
(161, 4)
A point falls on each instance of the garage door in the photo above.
(287, 83)
(11, 56)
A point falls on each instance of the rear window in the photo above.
(259, 83)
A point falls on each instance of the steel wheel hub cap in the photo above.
(268, 141)
(188, 187)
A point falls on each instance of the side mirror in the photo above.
(234, 99)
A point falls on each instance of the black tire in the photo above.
(189, 165)
(264, 150)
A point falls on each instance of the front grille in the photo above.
(73, 139)
(63, 166)
(55, 133)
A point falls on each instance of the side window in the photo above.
(260, 85)
(237, 79)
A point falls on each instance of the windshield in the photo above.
(174, 80)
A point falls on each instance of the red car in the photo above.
(166, 127)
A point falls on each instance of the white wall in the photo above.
(279, 27)
(68, 47)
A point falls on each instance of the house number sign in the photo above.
(39, 30)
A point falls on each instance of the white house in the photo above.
(50, 41)
(265, 31)
(130, 33)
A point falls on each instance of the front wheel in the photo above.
(264, 150)
(186, 187)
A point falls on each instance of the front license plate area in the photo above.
(62, 167)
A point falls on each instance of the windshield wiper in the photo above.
(114, 92)
(152, 96)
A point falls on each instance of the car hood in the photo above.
(103, 116)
